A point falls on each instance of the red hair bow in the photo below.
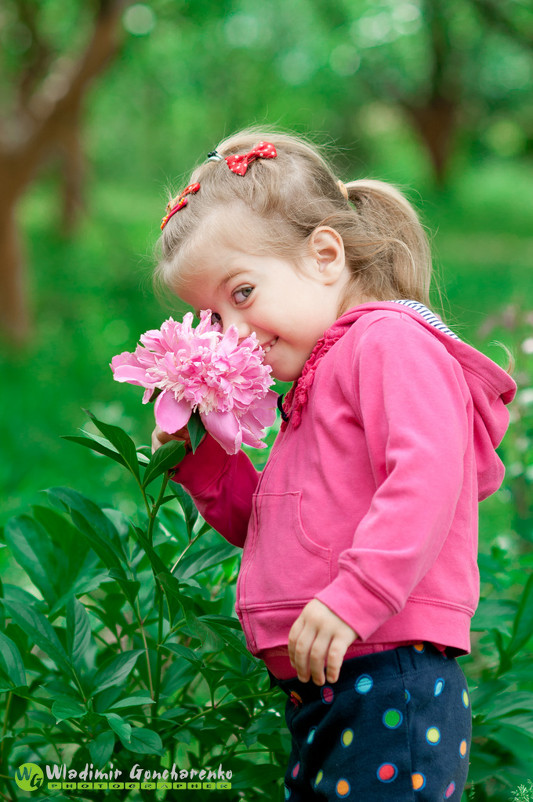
(239, 164)
(178, 203)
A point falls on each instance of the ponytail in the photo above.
(388, 250)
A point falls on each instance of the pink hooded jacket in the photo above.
(370, 502)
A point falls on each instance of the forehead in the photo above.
(223, 240)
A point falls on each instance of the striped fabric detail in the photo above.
(428, 316)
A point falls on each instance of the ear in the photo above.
(327, 251)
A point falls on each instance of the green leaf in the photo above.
(101, 748)
(67, 709)
(164, 459)
(78, 630)
(32, 549)
(120, 726)
(510, 702)
(99, 531)
(11, 661)
(132, 701)
(115, 671)
(230, 638)
(523, 622)
(145, 741)
(110, 449)
(196, 430)
(187, 505)
(38, 629)
(155, 560)
(171, 589)
(95, 445)
(183, 651)
(121, 441)
(90, 520)
(197, 561)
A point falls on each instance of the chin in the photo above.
(286, 375)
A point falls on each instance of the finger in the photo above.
(294, 634)
(335, 656)
(302, 650)
(317, 659)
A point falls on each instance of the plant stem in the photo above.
(143, 634)
(220, 707)
(185, 550)
(152, 514)
(4, 728)
(159, 658)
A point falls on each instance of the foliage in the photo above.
(499, 669)
(121, 647)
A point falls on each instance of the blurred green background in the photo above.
(433, 96)
(106, 105)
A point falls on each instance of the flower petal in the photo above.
(170, 414)
(224, 428)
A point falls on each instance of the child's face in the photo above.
(288, 307)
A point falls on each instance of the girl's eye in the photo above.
(242, 294)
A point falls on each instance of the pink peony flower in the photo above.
(199, 368)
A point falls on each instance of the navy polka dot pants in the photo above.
(395, 727)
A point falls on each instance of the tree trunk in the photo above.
(14, 313)
(435, 123)
(46, 125)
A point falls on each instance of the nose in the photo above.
(243, 329)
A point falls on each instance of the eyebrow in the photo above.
(230, 275)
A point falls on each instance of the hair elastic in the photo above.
(343, 188)
(178, 203)
(214, 156)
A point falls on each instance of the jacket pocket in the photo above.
(281, 565)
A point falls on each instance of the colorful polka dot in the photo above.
(439, 686)
(463, 748)
(318, 778)
(418, 780)
(392, 718)
(419, 647)
(449, 791)
(466, 700)
(294, 772)
(287, 792)
(364, 683)
(346, 737)
(387, 772)
(311, 735)
(327, 694)
(407, 696)
(342, 788)
(433, 735)
(295, 698)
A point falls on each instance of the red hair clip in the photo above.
(178, 203)
(239, 164)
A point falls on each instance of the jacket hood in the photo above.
(491, 388)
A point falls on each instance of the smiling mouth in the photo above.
(266, 348)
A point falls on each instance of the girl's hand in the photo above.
(159, 437)
(318, 637)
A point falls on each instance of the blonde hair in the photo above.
(289, 196)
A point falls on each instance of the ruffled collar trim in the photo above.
(296, 399)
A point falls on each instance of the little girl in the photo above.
(359, 577)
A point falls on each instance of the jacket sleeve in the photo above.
(221, 486)
(411, 400)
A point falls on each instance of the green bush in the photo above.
(122, 647)
(132, 655)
